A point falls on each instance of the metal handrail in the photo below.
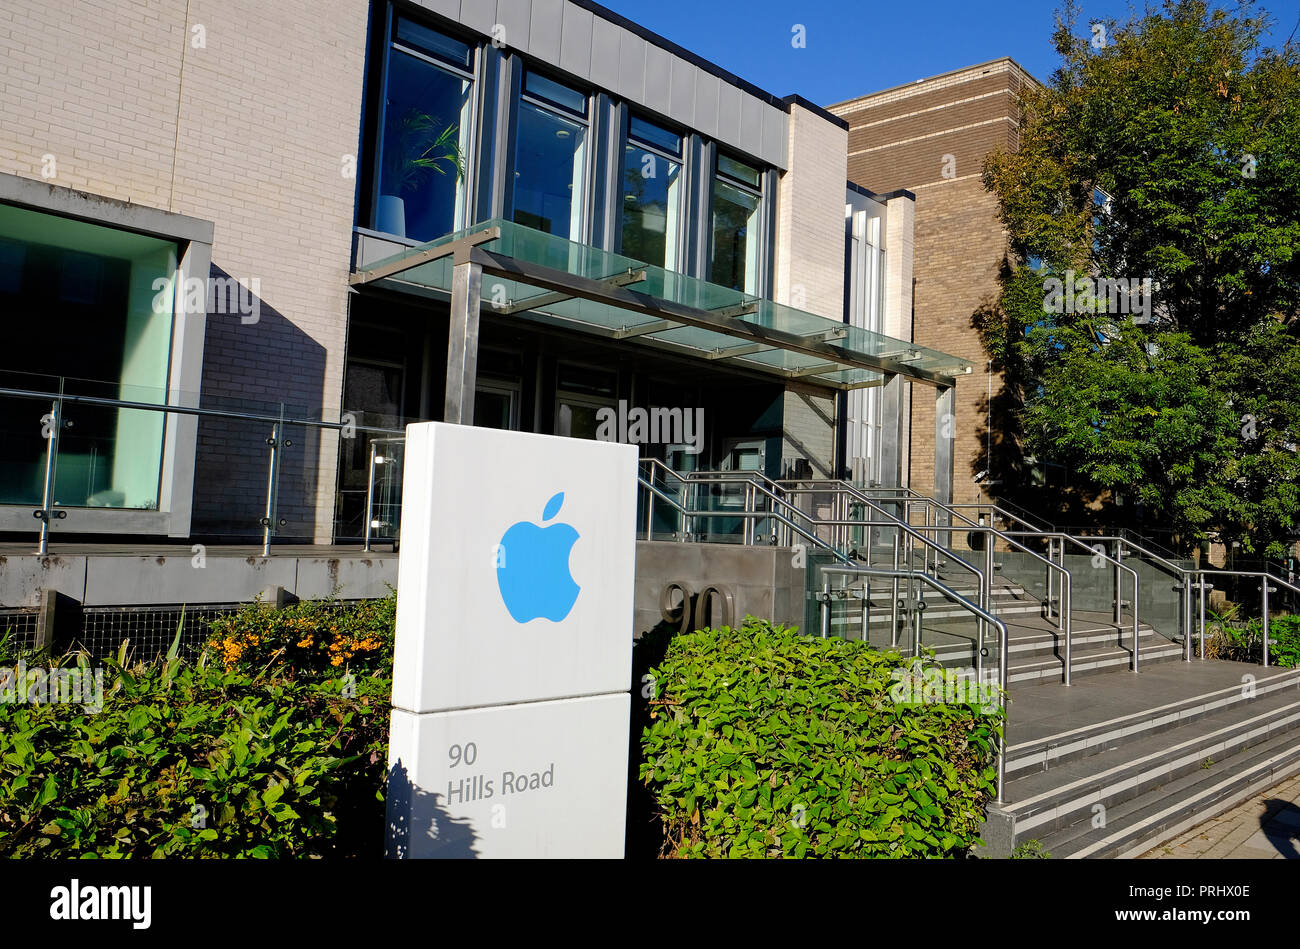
(1264, 589)
(893, 523)
(757, 478)
(744, 514)
(1119, 607)
(966, 604)
(1064, 619)
(278, 423)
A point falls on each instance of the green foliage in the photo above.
(766, 743)
(1244, 641)
(196, 760)
(1192, 131)
(1032, 849)
(311, 636)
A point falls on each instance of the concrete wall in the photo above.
(764, 580)
(240, 113)
(902, 138)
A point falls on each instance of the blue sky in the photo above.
(859, 46)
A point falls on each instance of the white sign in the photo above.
(514, 645)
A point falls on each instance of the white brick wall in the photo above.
(248, 132)
(810, 217)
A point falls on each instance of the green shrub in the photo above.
(196, 760)
(1244, 641)
(1031, 850)
(767, 743)
(311, 636)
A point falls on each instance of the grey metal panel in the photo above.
(706, 102)
(681, 103)
(544, 38)
(944, 438)
(729, 99)
(658, 83)
(891, 432)
(480, 15)
(776, 138)
(631, 66)
(751, 124)
(575, 42)
(448, 8)
(605, 53)
(515, 16)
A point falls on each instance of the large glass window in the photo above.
(737, 198)
(652, 184)
(424, 138)
(550, 158)
(88, 310)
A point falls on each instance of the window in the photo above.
(89, 309)
(652, 186)
(737, 197)
(580, 394)
(550, 158)
(424, 135)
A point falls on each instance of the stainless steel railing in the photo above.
(279, 427)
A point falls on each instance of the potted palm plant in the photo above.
(417, 148)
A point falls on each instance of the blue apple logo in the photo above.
(533, 573)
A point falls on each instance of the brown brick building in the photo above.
(930, 137)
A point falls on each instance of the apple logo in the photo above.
(533, 570)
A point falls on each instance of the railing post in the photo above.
(917, 613)
(269, 521)
(1066, 623)
(1266, 592)
(1201, 586)
(826, 608)
(370, 497)
(866, 610)
(987, 595)
(1119, 589)
(893, 629)
(47, 512)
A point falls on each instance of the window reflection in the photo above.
(425, 134)
(550, 158)
(652, 177)
(736, 234)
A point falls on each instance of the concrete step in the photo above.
(1025, 643)
(1051, 751)
(1118, 786)
(1049, 801)
(1137, 825)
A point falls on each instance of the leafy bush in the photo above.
(1031, 850)
(767, 743)
(256, 759)
(1244, 641)
(311, 636)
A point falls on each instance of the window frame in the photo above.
(469, 132)
(683, 202)
(760, 213)
(522, 96)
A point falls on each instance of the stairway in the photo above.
(1143, 758)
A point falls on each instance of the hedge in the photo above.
(230, 756)
(767, 743)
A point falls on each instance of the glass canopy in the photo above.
(547, 278)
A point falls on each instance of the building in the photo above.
(208, 205)
(930, 137)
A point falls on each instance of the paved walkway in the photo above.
(1265, 827)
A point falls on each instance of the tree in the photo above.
(1164, 149)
